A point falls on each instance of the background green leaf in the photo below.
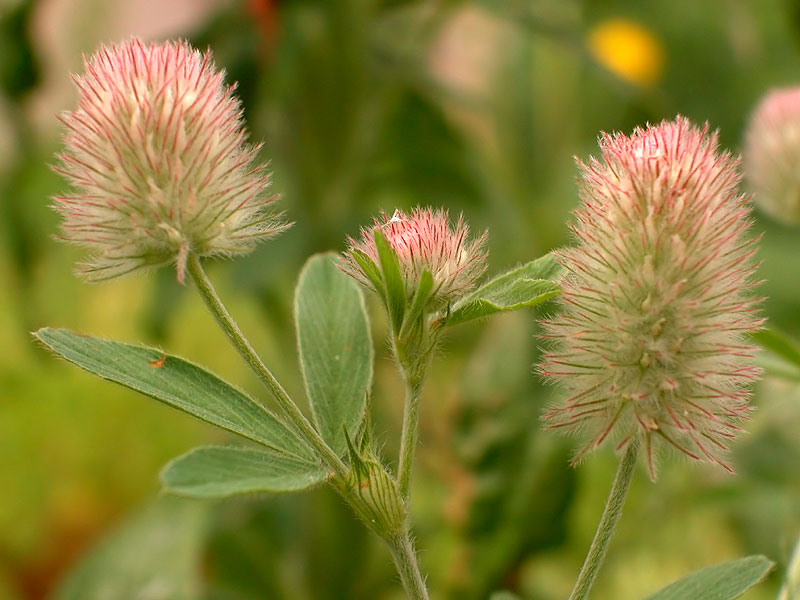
(291, 548)
(335, 348)
(527, 285)
(504, 595)
(724, 581)
(516, 473)
(782, 356)
(779, 343)
(177, 383)
(156, 555)
(219, 471)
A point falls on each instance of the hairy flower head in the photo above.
(772, 154)
(423, 241)
(157, 159)
(651, 341)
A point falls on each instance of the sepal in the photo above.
(372, 492)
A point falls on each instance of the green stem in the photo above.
(401, 546)
(408, 436)
(405, 560)
(608, 521)
(296, 418)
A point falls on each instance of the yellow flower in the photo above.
(628, 50)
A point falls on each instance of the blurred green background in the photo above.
(363, 105)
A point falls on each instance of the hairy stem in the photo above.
(608, 521)
(296, 418)
(408, 436)
(405, 560)
(401, 546)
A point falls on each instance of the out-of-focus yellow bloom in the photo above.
(628, 50)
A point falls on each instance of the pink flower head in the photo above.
(651, 341)
(156, 156)
(772, 154)
(424, 240)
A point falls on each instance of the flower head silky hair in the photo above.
(423, 240)
(157, 159)
(650, 345)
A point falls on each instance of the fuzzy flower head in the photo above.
(650, 344)
(423, 241)
(156, 156)
(772, 154)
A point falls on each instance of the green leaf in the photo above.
(724, 581)
(371, 270)
(421, 296)
(393, 279)
(504, 595)
(335, 348)
(220, 471)
(779, 343)
(177, 383)
(527, 285)
(157, 554)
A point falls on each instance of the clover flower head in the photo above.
(650, 344)
(772, 154)
(157, 157)
(423, 240)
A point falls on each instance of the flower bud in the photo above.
(651, 341)
(423, 241)
(772, 154)
(157, 158)
(373, 494)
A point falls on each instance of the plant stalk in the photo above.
(296, 418)
(405, 560)
(401, 546)
(408, 436)
(608, 521)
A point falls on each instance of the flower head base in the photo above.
(772, 154)
(423, 241)
(650, 344)
(156, 154)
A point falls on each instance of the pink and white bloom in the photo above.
(772, 154)
(651, 344)
(424, 240)
(157, 157)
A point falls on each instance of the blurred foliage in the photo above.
(475, 105)
(172, 531)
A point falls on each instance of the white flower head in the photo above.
(157, 157)
(651, 342)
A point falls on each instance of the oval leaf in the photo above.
(335, 348)
(724, 581)
(177, 383)
(527, 285)
(220, 471)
